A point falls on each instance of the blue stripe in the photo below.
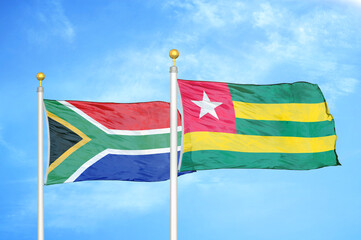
(139, 168)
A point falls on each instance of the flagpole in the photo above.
(173, 148)
(40, 76)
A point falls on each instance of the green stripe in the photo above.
(285, 128)
(299, 92)
(73, 118)
(72, 163)
(137, 142)
(202, 160)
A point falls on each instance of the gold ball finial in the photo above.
(173, 54)
(40, 76)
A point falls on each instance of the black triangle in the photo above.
(61, 139)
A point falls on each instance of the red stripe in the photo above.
(217, 92)
(128, 116)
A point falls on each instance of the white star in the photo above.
(207, 106)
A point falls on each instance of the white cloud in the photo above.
(223, 68)
(348, 85)
(13, 152)
(306, 41)
(84, 205)
(134, 75)
(335, 88)
(53, 22)
(352, 2)
(312, 42)
(267, 16)
(210, 13)
(224, 186)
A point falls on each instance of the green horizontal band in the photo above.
(285, 128)
(299, 92)
(202, 160)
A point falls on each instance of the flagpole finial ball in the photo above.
(40, 76)
(173, 54)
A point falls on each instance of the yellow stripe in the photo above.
(66, 154)
(297, 112)
(195, 141)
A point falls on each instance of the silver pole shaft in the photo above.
(173, 155)
(40, 91)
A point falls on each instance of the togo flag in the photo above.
(282, 126)
(108, 141)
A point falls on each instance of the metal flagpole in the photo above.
(173, 148)
(40, 76)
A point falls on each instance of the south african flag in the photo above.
(108, 141)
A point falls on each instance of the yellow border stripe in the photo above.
(195, 141)
(66, 154)
(297, 112)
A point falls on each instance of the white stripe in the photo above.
(102, 154)
(117, 132)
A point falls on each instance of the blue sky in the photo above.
(118, 51)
